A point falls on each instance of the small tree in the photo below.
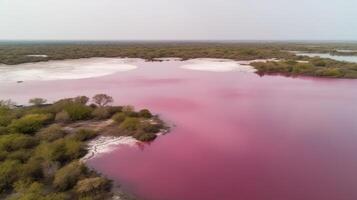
(37, 101)
(102, 99)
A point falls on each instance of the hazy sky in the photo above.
(178, 19)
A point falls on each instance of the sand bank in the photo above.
(217, 65)
(66, 69)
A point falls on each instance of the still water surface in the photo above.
(237, 136)
(327, 55)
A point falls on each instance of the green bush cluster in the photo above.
(312, 67)
(39, 157)
(14, 54)
(140, 124)
(29, 124)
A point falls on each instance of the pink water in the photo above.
(237, 136)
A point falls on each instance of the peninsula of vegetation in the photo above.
(42, 145)
(288, 63)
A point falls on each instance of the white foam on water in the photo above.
(66, 69)
(217, 65)
(106, 144)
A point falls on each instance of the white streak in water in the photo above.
(106, 144)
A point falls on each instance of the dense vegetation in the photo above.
(18, 53)
(40, 154)
(15, 53)
(319, 67)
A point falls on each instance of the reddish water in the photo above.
(237, 137)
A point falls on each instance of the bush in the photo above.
(4, 130)
(84, 134)
(101, 113)
(29, 124)
(62, 150)
(92, 186)
(16, 142)
(130, 111)
(114, 109)
(67, 177)
(34, 191)
(150, 128)
(81, 100)
(63, 117)
(119, 117)
(20, 155)
(145, 137)
(330, 72)
(32, 169)
(51, 133)
(78, 112)
(145, 113)
(5, 120)
(130, 124)
(9, 170)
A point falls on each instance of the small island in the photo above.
(42, 146)
(305, 66)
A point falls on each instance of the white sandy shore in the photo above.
(106, 144)
(221, 65)
(66, 69)
(38, 55)
(168, 59)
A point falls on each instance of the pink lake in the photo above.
(236, 135)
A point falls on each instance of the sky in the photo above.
(178, 19)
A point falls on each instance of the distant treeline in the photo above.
(17, 53)
(12, 53)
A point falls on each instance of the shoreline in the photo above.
(106, 144)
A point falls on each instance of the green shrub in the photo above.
(81, 100)
(78, 111)
(32, 169)
(51, 151)
(67, 176)
(145, 113)
(5, 120)
(114, 109)
(150, 128)
(318, 62)
(92, 186)
(63, 117)
(130, 111)
(3, 155)
(145, 137)
(61, 150)
(29, 124)
(101, 113)
(16, 142)
(330, 72)
(4, 130)
(22, 155)
(84, 134)
(35, 191)
(51, 133)
(130, 124)
(9, 171)
(119, 117)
